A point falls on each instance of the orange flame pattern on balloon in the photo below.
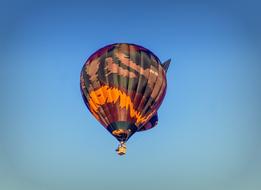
(106, 94)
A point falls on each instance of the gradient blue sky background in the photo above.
(209, 132)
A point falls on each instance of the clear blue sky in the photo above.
(209, 134)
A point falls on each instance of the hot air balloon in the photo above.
(123, 86)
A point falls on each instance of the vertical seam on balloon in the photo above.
(138, 83)
(83, 90)
(139, 79)
(118, 81)
(104, 110)
(110, 95)
(87, 102)
(143, 97)
(109, 113)
(115, 80)
(103, 114)
(128, 84)
(163, 93)
(153, 88)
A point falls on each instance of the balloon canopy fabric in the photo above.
(150, 124)
(123, 85)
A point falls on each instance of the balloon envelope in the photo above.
(123, 86)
